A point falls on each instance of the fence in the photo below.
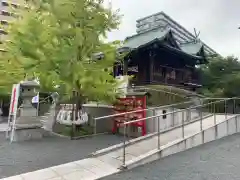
(99, 122)
(182, 112)
(165, 95)
(217, 121)
(216, 110)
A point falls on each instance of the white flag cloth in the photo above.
(35, 99)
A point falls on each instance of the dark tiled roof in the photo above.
(191, 48)
(138, 40)
(158, 34)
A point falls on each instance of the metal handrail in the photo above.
(223, 98)
(158, 90)
(182, 124)
(172, 112)
(147, 109)
(140, 110)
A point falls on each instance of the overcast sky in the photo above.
(217, 20)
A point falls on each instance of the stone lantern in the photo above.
(28, 90)
(28, 125)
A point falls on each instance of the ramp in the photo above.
(134, 152)
(138, 149)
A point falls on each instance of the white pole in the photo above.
(10, 110)
(14, 110)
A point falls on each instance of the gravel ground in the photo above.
(28, 156)
(218, 160)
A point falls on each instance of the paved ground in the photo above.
(28, 156)
(218, 160)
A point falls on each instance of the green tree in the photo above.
(10, 74)
(59, 41)
(56, 40)
(221, 77)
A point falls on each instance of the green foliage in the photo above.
(55, 41)
(221, 77)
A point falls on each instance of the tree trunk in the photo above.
(77, 102)
(79, 106)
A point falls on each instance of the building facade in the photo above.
(164, 52)
(6, 15)
(156, 58)
(163, 21)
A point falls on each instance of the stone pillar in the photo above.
(27, 124)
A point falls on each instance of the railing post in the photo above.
(214, 114)
(173, 116)
(158, 124)
(124, 144)
(234, 106)
(201, 116)
(183, 124)
(225, 111)
(234, 111)
(201, 124)
(190, 114)
(187, 115)
(225, 108)
(215, 120)
(236, 117)
(95, 126)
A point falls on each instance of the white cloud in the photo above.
(217, 20)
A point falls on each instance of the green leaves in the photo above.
(55, 41)
(221, 77)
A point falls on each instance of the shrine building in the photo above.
(163, 53)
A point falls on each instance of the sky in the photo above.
(217, 20)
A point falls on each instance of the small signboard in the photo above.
(13, 110)
(14, 99)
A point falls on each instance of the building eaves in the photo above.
(155, 35)
(180, 52)
(192, 48)
(138, 40)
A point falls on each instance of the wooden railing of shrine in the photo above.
(185, 78)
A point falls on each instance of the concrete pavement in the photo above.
(101, 166)
(217, 160)
(18, 158)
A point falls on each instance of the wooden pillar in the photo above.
(125, 66)
(115, 70)
(151, 67)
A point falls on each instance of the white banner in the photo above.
(14, 99)
(64, 116)
(13, 110)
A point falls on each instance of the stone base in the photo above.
(28, 134)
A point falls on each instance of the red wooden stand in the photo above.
(128, 104)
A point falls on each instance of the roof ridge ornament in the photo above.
(196, 34)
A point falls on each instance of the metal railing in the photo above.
(186, 103)
(213, 105)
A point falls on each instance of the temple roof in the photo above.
(140, 40)
(148, 37)
(192, 48)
